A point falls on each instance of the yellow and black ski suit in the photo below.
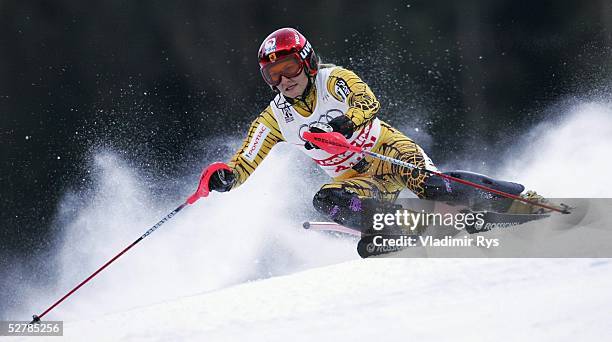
(361, 184)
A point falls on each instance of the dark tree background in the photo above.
(156, 79)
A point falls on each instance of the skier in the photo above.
(316, 97)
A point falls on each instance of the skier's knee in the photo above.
(343, 207)
(347, 208)
(327, 200)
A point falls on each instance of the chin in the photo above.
(292, 94)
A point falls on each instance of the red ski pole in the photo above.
(202, 191)
(335, 143)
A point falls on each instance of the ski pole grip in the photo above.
(331, 142)
(203, 189)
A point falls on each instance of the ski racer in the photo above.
(316, 97)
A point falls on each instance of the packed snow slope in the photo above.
(250, 272)
(390, 299)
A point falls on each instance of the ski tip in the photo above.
(565, 209)
(306, 225)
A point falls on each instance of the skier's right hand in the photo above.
(222, 180)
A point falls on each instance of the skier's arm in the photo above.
(263, 134)
(347, 87)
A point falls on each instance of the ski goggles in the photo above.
(289, 66)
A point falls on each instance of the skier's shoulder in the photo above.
(267, 116)
(339, 81)
(336, 71)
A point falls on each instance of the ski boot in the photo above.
(518, 207)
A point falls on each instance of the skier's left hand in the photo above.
(343, 125)
(317, 127)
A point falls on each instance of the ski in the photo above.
(493, 220)
(366, 248)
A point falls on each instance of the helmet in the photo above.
(285, 52)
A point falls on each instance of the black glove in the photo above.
(341, 124)
(221, 180)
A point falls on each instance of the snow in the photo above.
(265, 279)
(569, 156)
(399, 299)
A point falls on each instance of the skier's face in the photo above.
(293, 87)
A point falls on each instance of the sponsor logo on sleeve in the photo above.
(341, 89)
(256, 142)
